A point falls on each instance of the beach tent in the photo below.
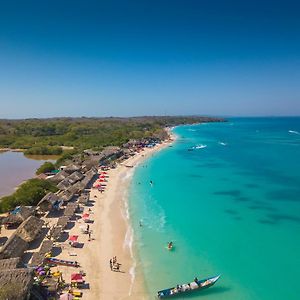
(86, 217)
(73, 240)
(77, 277)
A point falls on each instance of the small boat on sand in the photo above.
(61, 262)
(188, 287)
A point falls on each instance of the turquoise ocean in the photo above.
(228, 196)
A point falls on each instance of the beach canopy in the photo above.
(66, 297)
(76, 277)
(73, 238)
(85, 216)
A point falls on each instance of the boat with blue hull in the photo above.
(196, 285)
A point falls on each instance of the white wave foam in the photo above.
(294, 132)
(201, 146)
(222, 143)
(132, 275)
(128, 174)
(128, 243)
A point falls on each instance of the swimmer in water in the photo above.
(151, 182)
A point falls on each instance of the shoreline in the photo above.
(116, 235)
(121, 234)
(112, 235)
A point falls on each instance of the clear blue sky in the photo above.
(123, 58)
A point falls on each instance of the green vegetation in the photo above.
(45, 167)
(46, 136)
(29, 193)
(44, 150)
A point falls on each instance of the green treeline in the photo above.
(47, 166)
(46, 136)
(29, 193)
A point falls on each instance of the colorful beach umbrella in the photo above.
(73, 238)
(85, 216)
(76, 277)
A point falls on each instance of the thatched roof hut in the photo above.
(56, 233)
(37, 259)
(111, 153)
(10, 263)
(74, 177)
(60, 176)
(64, 185)
(15, 246)
(66, 196)
(19, 214)
(70, 209)
(63, 221)
(83, 199)
(15, 283)
(49, 202)
(30, 229)
(76, 188)
(72, 168)
(46, 246)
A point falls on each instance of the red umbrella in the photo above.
(73, 238)
(85, 216)
(77, 277)
(103, 172)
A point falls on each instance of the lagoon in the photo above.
(16, 168)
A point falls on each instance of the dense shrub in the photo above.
(29, 193)
(45, 167)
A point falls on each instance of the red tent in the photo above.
(85, 216)
(76, 277)
(73, 238)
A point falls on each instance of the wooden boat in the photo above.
(184, 288)
(62, 262)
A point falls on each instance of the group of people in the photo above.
(114, 265)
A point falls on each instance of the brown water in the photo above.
(16, 168)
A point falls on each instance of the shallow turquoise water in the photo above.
(231, 208)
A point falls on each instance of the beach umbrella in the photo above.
(103, 172)
(85, 216)
(66, 297)
(76, 277)
(73, 238)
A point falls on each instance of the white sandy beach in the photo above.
(111, 236)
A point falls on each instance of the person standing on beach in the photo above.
(110, 264)
(89, 235)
